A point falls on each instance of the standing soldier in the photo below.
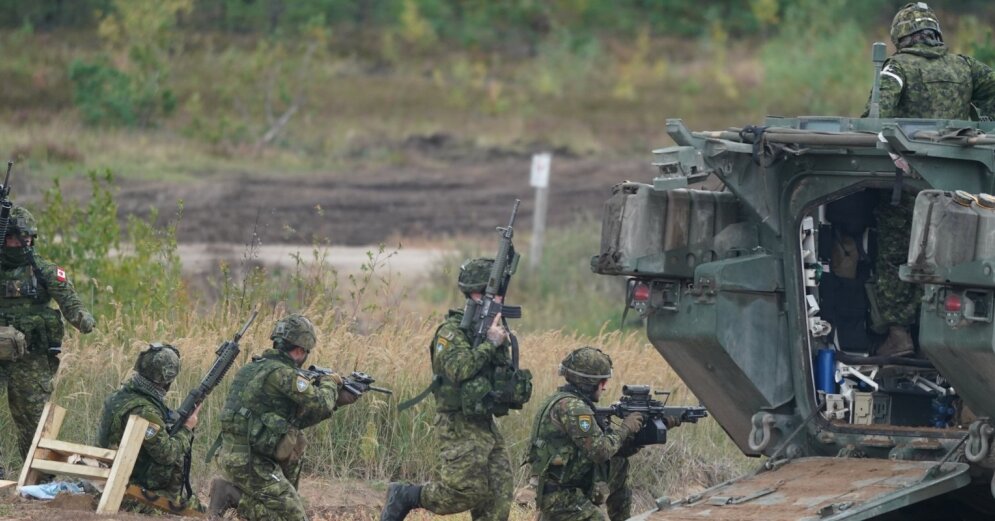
(923, 79)
(579, 465)
(30, 329)
(163, 464)
(270, 402)
(475, 472)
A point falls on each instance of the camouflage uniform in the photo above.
(162, 460)
(26, 294)
(262, 445)
(474, 469)
(921, 80)
(568, 489)
(579, 464)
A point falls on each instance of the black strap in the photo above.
(407, 404)
(214, 449)
(896, 189)
(187, 460)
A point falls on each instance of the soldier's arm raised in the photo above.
(62, 290)
(315, 400)
(458, 359)
(576, 419)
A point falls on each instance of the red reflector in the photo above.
(952, 304)
(641, 292)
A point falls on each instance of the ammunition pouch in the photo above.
(477, 397)
(13, 345)
(291, 446)
(266, 432)
(41, 326)
(512, 388)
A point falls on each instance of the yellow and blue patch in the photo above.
(585, 422)
(151, 431)
(440, 344)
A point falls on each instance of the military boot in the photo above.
(898, 343)
(224, 495)
(401, 499)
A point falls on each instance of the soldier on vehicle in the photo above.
(270, 402)
(163, 465)
(578, 463)
(475, 472)
(31, 330)
(923, 79)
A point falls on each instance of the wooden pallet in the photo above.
(48, 455)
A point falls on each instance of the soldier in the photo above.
(923, 79)
(30, 329)
(578, 464)
(163, 464)
(475, 472)
(269, 404)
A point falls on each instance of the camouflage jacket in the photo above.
(25, 297)
(271, 399)
(568, 446)
(924, 81)
(160, 463)
(464, 370)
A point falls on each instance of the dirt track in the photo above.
(437, 188)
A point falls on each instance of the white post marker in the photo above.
(539, 179)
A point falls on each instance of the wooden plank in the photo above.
(69, 469)
(127, 453)
(48, 427)
(6, 487)
(67, 448)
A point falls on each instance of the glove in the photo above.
(87, 322)
(345, 397)
(633, 423)
(672, 421)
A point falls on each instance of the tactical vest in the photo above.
(147, 472)
(24, 304)
(553, 454)
(937, 85)
(251, 418)
(493, 391)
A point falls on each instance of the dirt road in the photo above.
(436, 188)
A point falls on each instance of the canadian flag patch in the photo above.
(60, 274)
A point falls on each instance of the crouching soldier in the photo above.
(270, 402)
(163, 465)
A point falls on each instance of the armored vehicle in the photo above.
(760, 294)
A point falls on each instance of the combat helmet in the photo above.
(22, 223)
(586, 367)
(159, 363)
(474, 274)
(913, 18)
(294, 331)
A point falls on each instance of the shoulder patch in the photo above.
(151, 431)
(302, 384)
(585, 422)
(447, 334)
(440, 344)
(60, 274)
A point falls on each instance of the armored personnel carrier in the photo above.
(759, 294)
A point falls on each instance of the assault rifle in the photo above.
(356, 383)
(479, 316)
(226, 358)
(637, 399)
(5, 205)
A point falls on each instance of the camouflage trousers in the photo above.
(574, 504)
(269, 489)
(897, 301)
(474, 470)
(28, 386)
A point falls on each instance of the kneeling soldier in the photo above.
(578, 464)
(270, 402)
(162, 467)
